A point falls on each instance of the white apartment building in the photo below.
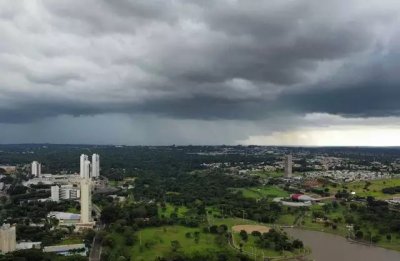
(83, 159)
(95, 165)
(36, 169)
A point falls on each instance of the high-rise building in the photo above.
(288, 165)
(83, 159)
(87, 169)
(95, 165)
(86, 200)
(86, 220)
(8, 238)
(36, 169)
(55, 193)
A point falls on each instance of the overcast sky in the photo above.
(273, 72)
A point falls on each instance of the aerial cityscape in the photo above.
(198, 202)
(181, 130)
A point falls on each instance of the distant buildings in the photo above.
(288, 166)
(95, 165)
(50, 179)
(36, 169)
(87, 169)
(8, 238)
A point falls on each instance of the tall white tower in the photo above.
(95, 165)
(86, 194)
(86, 201)
(288, 166)
(36, 169)
(82, 165)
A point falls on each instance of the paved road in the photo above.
(97, 210)
(95, 251)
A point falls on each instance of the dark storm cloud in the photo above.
(375, 95)
(209, 60)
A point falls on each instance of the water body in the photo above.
(328, 247)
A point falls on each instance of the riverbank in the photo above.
(330, 247)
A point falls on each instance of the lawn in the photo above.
(154, 242)
(267, 174)
(73, 210)
(169, 209)
(262, 192)
(74, 239)
(375, 189)
(286, 219)
(230, 222)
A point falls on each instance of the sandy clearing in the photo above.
(251, 228)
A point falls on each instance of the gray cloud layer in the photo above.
(224, 59)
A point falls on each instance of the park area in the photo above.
(369, 188)
(251, 244)
(262, 192)
(160, 241)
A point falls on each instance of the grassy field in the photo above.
(230, 222)
(263, 192)
(267, 174)
(286, 220)
(169, 209)
(74, 239)
(73, 210)
(157, 242)
(249, 246)
(375, 189)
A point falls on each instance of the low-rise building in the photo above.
(64, 192)
(65, 218)
(7, 238)
(8, 169)
(66, 249)
(28, 245)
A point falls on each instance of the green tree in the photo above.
(175, 245)
(243, 235)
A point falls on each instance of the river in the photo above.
(328, 247)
